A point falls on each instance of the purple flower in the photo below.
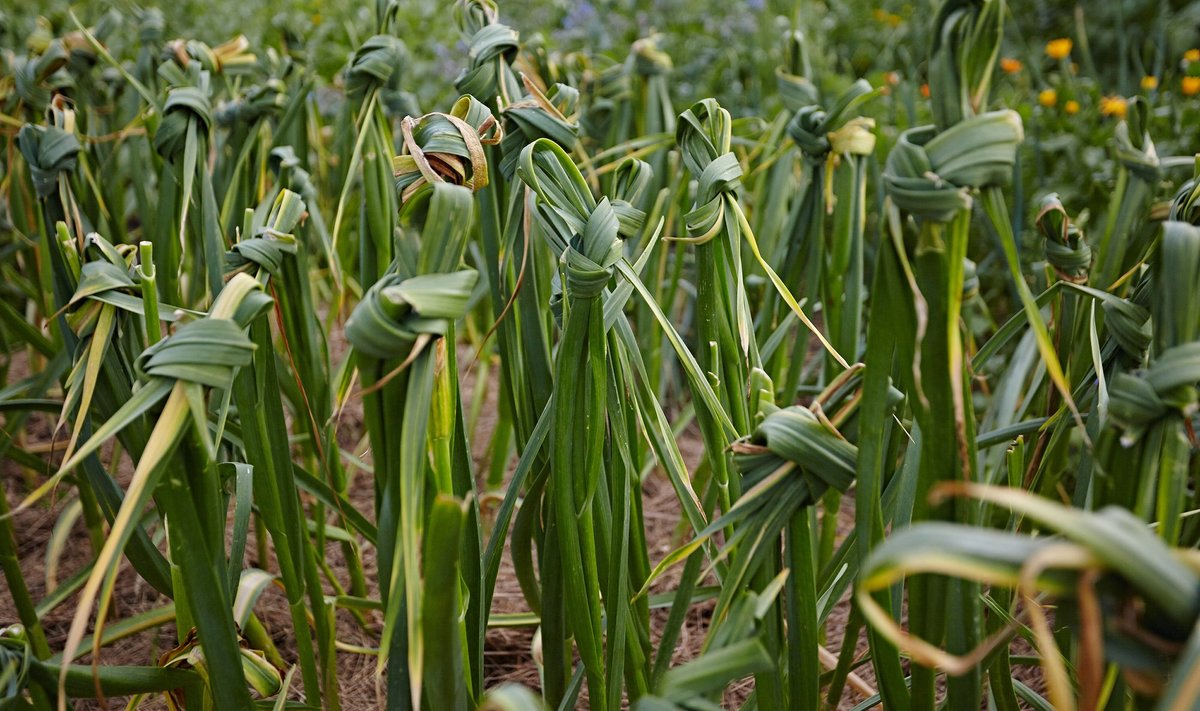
(582, 14)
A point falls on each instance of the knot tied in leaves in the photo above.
(930, 173)
(796, 436)
(1066, 248)
(36, 77)
(376, 65)
(491, 49)
(787, 464)
(1169, 383)
(1137, 400)
(822, 134)
(269, 244)
(107, 276)
(648, 59)
(49, 151)
(1134, 147)
(208, 351)
(285, 163)
(151, 25)
(586, 234)
(796, 90)
(593, 252)
(704, 136)
(256, 102)
(230, 57)
(397, 311)
(442, 148)
(187, 110)
(1185, 206)
(539, 114)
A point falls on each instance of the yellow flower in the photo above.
(1115, 106)
(1149, 83)
(894, 20)
(1048, 97)
(1192, 55)
(1190, 86)
(880, 14)
(1010, 65)
(1059, 48)
(1071, 107)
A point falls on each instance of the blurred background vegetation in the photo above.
(706, 39)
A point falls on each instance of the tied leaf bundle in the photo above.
(930, 173)
(50, 152)
(446, 148)
(492, 47)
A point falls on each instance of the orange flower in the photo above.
(1059, 48)
(1149, 83)
(1192, 55)
(892, 78)
(1115, 106)
(1071, 107)
(925, 91)
(1010, 65)
(1048, 97)
(1190, 86)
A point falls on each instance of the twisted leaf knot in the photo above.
(284, 158)
(589, 260)
(186, 106)
(704, 137)
(441, 148)
(207, 351)
(648, 59)
(1128, 325)
(1185, 207)
(272, 242)
(1137, 400)
(32, 75)
(1066, 248)
(49, 151)
(822, 134)
(1135, 149)
(210, 350)
(586, 234)
(930, 173)
(539, 115)
(107, 275)
(491, 49)
(376, 65)
(791, 78)
(258, 101)
(151, 25)
(796, 435)
(604, 88)
(397, 311)
(227, 57)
